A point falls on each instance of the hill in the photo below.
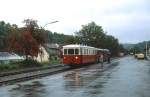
(139, 47)
(128, 46)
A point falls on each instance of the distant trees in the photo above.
(28, 39)
(5, 30)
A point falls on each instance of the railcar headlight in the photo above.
(64, 57)
(76, 57)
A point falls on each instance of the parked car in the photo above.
(140, 56)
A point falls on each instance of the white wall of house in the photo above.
(44, 57)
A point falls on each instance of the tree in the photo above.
(94, 35)
(5, 30)
(24, 44)
(91, 34)
(28, 40)
(70, 40)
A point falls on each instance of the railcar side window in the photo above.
(76, 51)
(93, 52)
(65, 51)
(84, 51)
(71, 51)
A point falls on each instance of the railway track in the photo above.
(3, 74)
(13, 77)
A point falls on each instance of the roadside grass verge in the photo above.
(26, 64)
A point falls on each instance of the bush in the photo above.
(29, 63)
(7, 67)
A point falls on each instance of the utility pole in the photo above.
(146, 50)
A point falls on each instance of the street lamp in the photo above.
(49, 23)
(44, 30)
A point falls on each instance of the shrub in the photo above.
(7, 67)
(29, 63)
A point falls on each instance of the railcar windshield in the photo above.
(65, 51)
(71, 51)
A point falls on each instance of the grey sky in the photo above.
(127, 20)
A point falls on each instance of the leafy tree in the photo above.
(5, 30)
(50, 37)
(24, 44)
(112, 44)
(29, 39)
(39, 34)
(70, 40)
(91, 34)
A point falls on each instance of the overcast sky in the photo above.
(127, 20)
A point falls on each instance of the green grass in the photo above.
(52, 62)
(19, 65)
(26, 64)
(8, 67)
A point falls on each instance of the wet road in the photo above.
(126, 77)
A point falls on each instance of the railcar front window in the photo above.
(76, 51)
(65, 51)
(71, 51)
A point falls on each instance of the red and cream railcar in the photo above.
(80, 54)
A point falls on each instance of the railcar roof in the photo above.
(83, 46)
(77, 46)
(106, 50)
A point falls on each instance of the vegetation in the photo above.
(18, 65)
(8, 67)
(94, 35)
(137, 48)
(5, 30)
(27, 64)
(27, 40)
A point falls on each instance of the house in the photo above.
(44, 57)
(49, 51)
(53, 50)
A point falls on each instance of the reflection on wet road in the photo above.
(126, 77)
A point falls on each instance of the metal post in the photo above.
(146, 50)
(49, 23)
(43, 29)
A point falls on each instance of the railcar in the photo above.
(80, 54)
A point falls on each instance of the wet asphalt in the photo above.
(125, 77)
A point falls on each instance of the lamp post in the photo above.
(43, 29)
(49, 23)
